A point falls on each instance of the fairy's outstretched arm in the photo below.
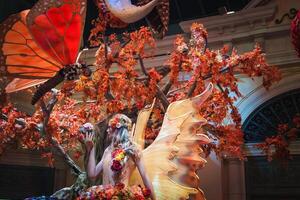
(93, 170)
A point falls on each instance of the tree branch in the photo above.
(160, 94)
(222, 90)
(207, 76)
(192, 89)
(143, 66)
(105, 47)
(47, 112)
(166, 88)
(47, 109)
(116, 55)
(76, 169)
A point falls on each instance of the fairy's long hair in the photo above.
(120, 126)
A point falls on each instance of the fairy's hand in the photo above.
(88, 141)
(134, 152)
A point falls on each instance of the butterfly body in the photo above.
(67, 73)
(71, 72)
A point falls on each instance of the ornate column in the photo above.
(233, 179)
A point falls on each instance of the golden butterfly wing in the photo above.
(140, 126)
(172, 160)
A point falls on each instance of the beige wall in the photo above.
(211, 178)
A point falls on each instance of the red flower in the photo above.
(116, 166)
(77, 155)
(146, 192)
(139, 197)
(120, 186)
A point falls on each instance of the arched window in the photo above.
(271, 180)
(263, 121)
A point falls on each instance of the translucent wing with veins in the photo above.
(174, 157)
(140, 126)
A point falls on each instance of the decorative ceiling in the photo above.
(264, 120)
(180, 10)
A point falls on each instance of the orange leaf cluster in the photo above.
(230, 141)
(105, 18)
(115, 84)
(219, 67)
(277, 146)
(27, 131)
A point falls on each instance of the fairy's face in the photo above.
(111, 132)
(116, 124)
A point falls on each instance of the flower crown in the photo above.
(120, 121)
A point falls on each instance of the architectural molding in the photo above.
(252, 150)
(241, 21)
(255, 3)
(255, 94)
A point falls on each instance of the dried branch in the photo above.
(207, 76)
(162, 97)
(60, 149)
(160, 94)
(223, 91)
(108, 94)
(168, 85)
(116, 55)
(47, 109)
(75, 168)
(166, 88)
(143, 66)
(192, 89)
(176, 90)
(18, 121)
(105, 47)
(47, 112)
(140, 78)
(163, 70)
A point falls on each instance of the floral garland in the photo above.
(117, 192)
(118, 160)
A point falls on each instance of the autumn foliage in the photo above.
(277, 146)
(122, 83)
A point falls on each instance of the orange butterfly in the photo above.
(41, 45)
